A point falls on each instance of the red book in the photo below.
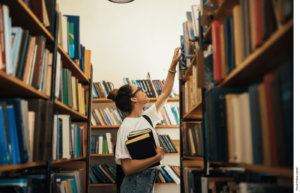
(258, 23)
(164, 117)
(271, 120)
(216, 49)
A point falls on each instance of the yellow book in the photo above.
(74, 92)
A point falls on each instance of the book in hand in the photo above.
(142, 147)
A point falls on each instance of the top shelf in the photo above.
(106, 100)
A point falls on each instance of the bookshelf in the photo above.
(23, 17)
(105, 100)
(261, 61)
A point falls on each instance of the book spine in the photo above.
(165, 175)
(172, 174)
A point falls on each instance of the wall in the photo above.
(129, 40)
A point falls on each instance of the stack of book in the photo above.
(254, 125)
(106, 116)
(153, 88)
(69, 40)
(24, 56)
(71, 92)
(169, 174)
(167, 143)
(103, 174)
(101, 145)
(169, 116)
(193, 141)
(101, 89)
(68, 180)
(239, 35)
(25, 127)
(68, 138)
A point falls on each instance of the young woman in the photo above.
(131, 99)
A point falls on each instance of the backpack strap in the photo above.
(148, 119)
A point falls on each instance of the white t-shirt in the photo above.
(134, 124)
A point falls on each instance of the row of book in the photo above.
(167, 143)
(101, 144)
(228, 180)
(251, 24)
(71, 92)
(253, 125)
(153, 88)
(169, 116)
(168, 174)
(106, 116)
(101, 173)
(192, 94)
(101, 89)
(25, 127)
(193, 140)
(68, 138)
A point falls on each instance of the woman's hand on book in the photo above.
(160, 152)
(176, 58)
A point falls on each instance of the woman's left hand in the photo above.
(176, 58)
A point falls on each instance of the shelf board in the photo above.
(283, 172)
(225, 10)
(23, 17)
(67, 160)
(117, 126)
(189, 71)
(189, 163)
(64, 109)
(195, 112)
(20, 166)
(68, 63)
(259, 62)
(105, 100)
(111, 155)
(116, 184)
(13, 87)
(193, 158)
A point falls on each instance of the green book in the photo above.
(112, 171)
(65, 87)
(71, 40)
(79, 108)
(105, 148)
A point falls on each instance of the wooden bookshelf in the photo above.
(189, 71)
(117, 126)
(116, 184)
(105, 100)
(13, 87)
(195, 112)
(263, 59)
(5, 168)
(189, 163)
(193, 157)
(67, 160)
(22, 16)
(64, 109)
(68, 63)
(282, 172)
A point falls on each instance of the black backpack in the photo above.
(120, 173)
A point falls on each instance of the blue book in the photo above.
(165, 175)
(175, 114)
(59, 131)
(287, 93)
(94, 94)
(20, 123)
(82, 58)
(4, 158)
(255, 125)
(20, 182)
(73, 186)
(94, 179)
(13, 136)
(77, 141)
(166, 145)
(99, 171)
(17, 35)
(76, 21)
(63, 176)
(107, 119)
(125, 81)
(93, 141)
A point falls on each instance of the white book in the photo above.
(109, 143)
(93, 120)
(65, 34)
(237, 130)
(7, 39)
(246, 128)
(166, 115)
(99, 116)
(58, 76)
(17, 34)
(54, 137)
(31, 115)
(30, 75)
(195, 18)
(172, 174)
(176, 110)
(65, 135)
(170, 114)
(104, 89)
(100, 144)
(118, 116)
(109, 116)
(115, 117)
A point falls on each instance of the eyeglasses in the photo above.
(132, 95)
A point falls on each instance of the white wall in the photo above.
(129, 40)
